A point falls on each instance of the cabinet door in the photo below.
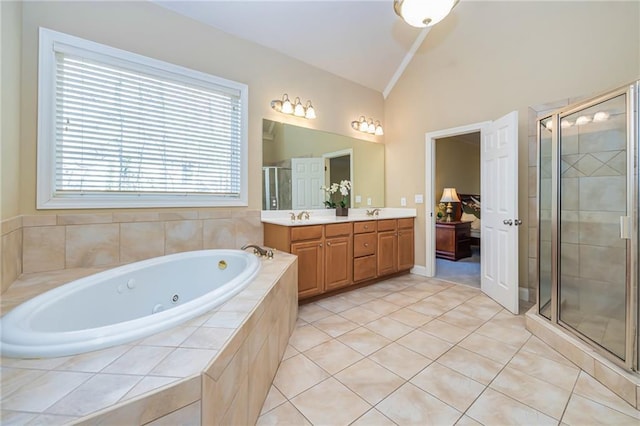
(338, 262)
(387, 252)
(310, 267)
(405, 249)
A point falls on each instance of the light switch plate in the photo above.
(403, 201)
(419, 199)
(369, 201)
(358, 199)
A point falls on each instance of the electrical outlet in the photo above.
(419, 199)
(369, 201)
(358, 199)
(403, 201)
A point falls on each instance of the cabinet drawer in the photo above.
(364, 268)
(387, 225)
(364, 244)
(337, 229)
(405, 222)
(300, 233)
(362, 227)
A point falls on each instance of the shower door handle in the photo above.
(625, 227)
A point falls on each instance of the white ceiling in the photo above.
(362, 41)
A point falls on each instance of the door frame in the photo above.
(430, 177)
(343, 152)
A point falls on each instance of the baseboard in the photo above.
(419, 270)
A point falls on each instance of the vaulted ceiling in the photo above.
(362, 41)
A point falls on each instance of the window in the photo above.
(116, 129)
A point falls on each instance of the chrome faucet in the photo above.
(292, 215)
(374, 212)
(303, 213)
(259, 251)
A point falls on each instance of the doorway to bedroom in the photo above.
(457, 184)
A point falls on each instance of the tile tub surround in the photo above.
(50, 242)
(214, 369)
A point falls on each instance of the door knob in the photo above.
(517, 222)
(508, 222)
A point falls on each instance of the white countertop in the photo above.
(323, 216)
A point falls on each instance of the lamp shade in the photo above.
(449, 195)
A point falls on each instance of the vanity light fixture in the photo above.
(367, 126)
(296, 108)
(423, 13)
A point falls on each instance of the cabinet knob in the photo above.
(320, 245)
(366, 244)
(328, 244)
(366, 227)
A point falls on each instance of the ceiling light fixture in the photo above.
(296, 108)
(422, 13)
(367, 126)
(582, 120)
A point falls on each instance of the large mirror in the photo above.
(297, 162)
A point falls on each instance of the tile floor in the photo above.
(414, 350)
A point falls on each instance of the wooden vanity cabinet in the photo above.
(337, 255)
(325, 254)
(365, 243)
(395, 245)
(387, 247)
(406, 246)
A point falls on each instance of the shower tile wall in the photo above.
(41, 243)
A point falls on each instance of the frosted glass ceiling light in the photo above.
(549, 124)
(600, 116)
(379, 131)
(565, 124)
(423, 13)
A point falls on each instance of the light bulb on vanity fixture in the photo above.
(296, 108)
(367, 126)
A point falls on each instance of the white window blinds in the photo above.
(129, 129)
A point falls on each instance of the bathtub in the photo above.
(125, 303)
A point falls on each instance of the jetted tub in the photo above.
(125, 303)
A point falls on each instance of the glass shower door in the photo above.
(593, 197)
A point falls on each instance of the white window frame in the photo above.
(46, 157)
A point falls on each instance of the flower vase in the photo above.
(342, 211)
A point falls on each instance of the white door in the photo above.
(307, 177)
(499, 211)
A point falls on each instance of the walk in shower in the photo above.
(276, 188)
(588, 222)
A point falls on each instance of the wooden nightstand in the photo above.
(453, 240)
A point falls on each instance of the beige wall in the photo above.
(457, 166)
(150, 30)
(489, 58)
(11, 18)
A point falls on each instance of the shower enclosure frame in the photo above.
(632, 319)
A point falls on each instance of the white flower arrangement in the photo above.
(344, 187)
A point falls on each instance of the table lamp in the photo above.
(449, 195)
